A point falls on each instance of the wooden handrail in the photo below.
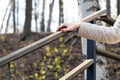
(108, 54)
(26, 50)
(80, 68)
(93, 16)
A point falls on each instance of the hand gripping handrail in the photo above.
(26, 50)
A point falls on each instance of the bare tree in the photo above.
(5, 15)
(14, 20)
(11, 11)
(88, 7)
(9, 15)
(78, 1)
(28, 17)
(36, 13)
(50, 15)
(42, 25)
(108, 7)
(17, 13)
(61, 15)
(118, 7)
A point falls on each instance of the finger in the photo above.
(58, 29)
(61, 27)
(70, 28)
(65, 30)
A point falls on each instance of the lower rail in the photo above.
(87, 63)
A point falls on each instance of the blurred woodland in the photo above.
(57, 58)
(31, 14)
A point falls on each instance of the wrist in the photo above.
(77, 25)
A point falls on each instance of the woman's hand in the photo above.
(65, 27)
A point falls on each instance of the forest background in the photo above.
(23, 22)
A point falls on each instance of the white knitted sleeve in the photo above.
(110, 35)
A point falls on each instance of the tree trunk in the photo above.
(36, 14)
(14, 20)
(7, 25)
(50, 15)
(12, 11)
(8, 19)
(108, 7)
(61, 15)
(17, 14)
(88, 7)
(78, 1)
(118, 7)
(28, 17)
(5, 16)
(42, 25)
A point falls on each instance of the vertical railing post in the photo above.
(9, 72)
(91, 54)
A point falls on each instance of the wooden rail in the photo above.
(78, 69)
(26, 50)
(89, 62)
(108, 54)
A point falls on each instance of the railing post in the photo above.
(91, 54)
(9, 72)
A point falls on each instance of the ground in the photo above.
(49, 62)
